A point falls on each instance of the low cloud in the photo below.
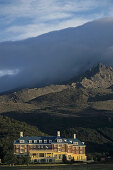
(56, 56)
(8, 72)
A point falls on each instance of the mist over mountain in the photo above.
(56, 56)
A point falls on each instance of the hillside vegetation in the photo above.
(9, 131)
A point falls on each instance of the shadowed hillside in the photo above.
(9, 131)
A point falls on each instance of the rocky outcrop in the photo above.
(100, 76)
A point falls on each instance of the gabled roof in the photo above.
(50, 139)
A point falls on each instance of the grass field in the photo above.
(61, 167)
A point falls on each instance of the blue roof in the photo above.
(50, 139)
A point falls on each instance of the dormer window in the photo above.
(30, 141)
(40, 141)
(21, 141)
(59, 140)
(35, 141)
(75, 143)
(45, 141)
(70, 141)
(50, 141)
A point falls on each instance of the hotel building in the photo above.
(50, 149)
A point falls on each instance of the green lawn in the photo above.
(62, 167)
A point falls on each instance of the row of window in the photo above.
(21, 146)
(74, 147)
(61, 145)
(36, 141)
(21, 150)
(45, 141)
(59, 150)
(41, 146)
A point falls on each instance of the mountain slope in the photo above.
(25, 95)
(93, 90)
(69, 108)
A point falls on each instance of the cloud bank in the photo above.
(56, 56)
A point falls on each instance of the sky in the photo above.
(21, 19)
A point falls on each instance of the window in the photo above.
(34, 146)
(69, 146)
(59, 150)
(55, 150)
(76, 143)
(60, 156)
(21, 146)
(34, 154)
(48, 155)
(21, 141)
(40, 141)
(21, 151)
(50, 141)
(55, 156)
(25, 146)
(77, 148)
(55, 146)
(63, 150)
(17, 150)
(41, 154)
(45, 141)
(46, 147)
(59, 145)
(81, 152)
(69, 156)
(25, 150)
(17, 146)
(73, 147)
(59, 140)
(35, 141)
(81, 147)
(30, 141)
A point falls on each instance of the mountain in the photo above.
(56, 56)
(82, 108)
(93, 90)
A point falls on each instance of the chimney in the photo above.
(75, 136)
(21, 134)
(58, 133)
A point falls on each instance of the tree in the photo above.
(72, 160)
(64, 159)
(10, 158)
(27, 159)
